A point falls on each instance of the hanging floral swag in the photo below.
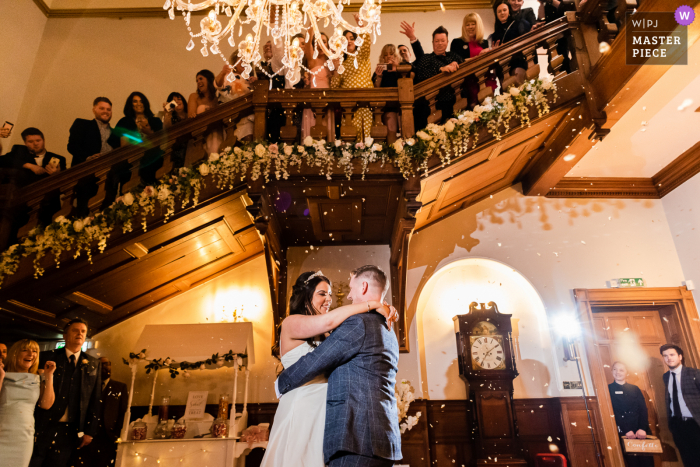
(175, 367)
(264, 159)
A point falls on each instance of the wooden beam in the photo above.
(680, 170)
(600, 187)
(570, 138)
(403, 229)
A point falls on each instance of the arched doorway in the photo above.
(448, 293)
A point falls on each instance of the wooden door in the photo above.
(634, 338)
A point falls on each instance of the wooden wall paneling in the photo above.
(680, 170)
(580, 447)
(415, 445)
(540, 427)
(450, 428)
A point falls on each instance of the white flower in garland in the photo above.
(204, 170)
(422, 135)
(128, 199)
(308, 141)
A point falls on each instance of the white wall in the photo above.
(682, 208)
(21, 31)
(244, 289)
(79, 59)
(557, 245)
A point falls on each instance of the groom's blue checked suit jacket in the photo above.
(361, 356)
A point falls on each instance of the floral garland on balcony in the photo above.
(268, 160)
(174, 367)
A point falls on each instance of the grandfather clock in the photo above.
(487, 365)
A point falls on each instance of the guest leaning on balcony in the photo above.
(20, 389)
(88, 140)
(135, 127)
(357, 76)
(32, 158)
(204, 99)
(507, 29)
(171, 116)
(433, 64)
(470, 45)
(386, 76)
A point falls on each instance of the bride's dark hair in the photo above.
(301, 301)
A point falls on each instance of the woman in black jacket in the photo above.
(507, 29)
(137, 124)
(631, 414)
(469, 45)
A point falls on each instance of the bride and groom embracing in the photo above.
(337, 402)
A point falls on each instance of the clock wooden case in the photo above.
(487, 365)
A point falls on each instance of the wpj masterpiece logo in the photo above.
(658, 38)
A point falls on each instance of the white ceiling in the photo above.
(633, 149)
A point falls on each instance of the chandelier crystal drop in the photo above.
(278, 21)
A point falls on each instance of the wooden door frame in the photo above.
(677, 300)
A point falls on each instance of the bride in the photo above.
(296, 437)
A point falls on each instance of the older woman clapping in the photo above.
(20, 390)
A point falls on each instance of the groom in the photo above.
(361, 356)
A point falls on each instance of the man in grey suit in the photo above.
(682, 404)
(361, 358)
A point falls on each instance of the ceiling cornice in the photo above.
(151, 12)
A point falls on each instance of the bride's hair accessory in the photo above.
(316, 274)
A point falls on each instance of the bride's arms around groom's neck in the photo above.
(304, 327)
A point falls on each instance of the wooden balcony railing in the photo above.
(262, 101)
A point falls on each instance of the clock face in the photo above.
(487, 353)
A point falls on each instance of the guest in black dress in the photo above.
(630, 411)
(506, 29)
(386, 76)
(433, 64)
(137, 124)
(170, 118)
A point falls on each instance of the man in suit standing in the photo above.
(102, 452)
(73, 420)
(88, 140)
(361, 355)
(682, 404)
(32, 158)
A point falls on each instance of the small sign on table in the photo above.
(196, 403)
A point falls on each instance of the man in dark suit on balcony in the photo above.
(32, 158)
(89, 139)
(73, 420)
(102, 452)
(682, 404)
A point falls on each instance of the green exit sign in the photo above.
(631, 282)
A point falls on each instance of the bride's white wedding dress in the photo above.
(296, 438)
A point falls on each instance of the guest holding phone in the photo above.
(386, 76)
(631, 414)
(20, 389)
(32, 158)
(137, 124)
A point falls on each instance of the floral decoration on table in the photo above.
(272, 160)
(404, 397)
(174, 367)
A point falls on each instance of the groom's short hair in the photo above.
(373, 274)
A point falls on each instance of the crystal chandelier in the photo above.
(282, 20)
